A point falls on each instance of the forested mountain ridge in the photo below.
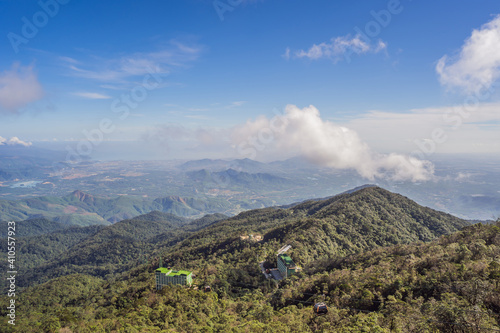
(448, 285)
(345, 224)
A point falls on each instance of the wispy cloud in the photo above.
(19, 86)
(91, 95)
(477, 65)
(236, 104)
(14, 141)
(125, 67)
(198, 109)
(214, 107)
(337, 49)
(69, 60)
(196, 116)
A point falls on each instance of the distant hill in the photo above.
(192, 206)
(234, 178)
(294, 163)
(206, 163)
(245, 165)
(79, 208)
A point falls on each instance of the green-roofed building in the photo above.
(286, 266)
(167, 276)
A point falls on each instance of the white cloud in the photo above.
(477, 66)
(14, 141)
(19, 87)
(391, 135)
(302, 131)
(91, 95)
(338, 48)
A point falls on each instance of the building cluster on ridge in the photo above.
(167, 276)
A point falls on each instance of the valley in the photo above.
(465, 189)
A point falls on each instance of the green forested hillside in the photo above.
(99, 250)
(36, 250)
(448, 285)
(32, 227)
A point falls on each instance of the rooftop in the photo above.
(286, 259)
(171, 272)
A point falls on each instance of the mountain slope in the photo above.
(362, 220)
(448, 285)
(451, 284)
(32, 227)
(36, 250)
(344, 224)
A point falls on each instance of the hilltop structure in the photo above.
(167, 276)
(286, 266)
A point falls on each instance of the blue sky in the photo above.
(392, 85)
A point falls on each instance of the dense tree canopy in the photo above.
(378, 260)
